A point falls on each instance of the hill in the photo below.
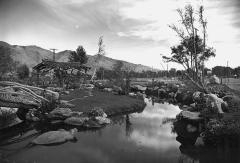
(32, 55)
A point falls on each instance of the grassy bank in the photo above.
(112, 104)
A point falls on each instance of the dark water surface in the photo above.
(137, 137)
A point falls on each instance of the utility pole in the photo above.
(227, 72)
(54, 52)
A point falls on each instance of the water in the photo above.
(137, 137)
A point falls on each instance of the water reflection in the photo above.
(137, 137)
(151, 129)
(129, 128)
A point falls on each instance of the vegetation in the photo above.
(23, 72)
(6, 62)
(79, 55)
(111, 104)
(192, 51)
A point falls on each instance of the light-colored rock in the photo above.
(132, 94)
(214, 80)
(102, 120)
(199, 142)
(108, 89)
(55, 137)
(195, 116)
(65, 104)
(60, 113)
(215, 102)
(190, 128)
(76, 121)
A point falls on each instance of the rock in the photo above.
(199, 142)
(92, 124)
(215, 102)
(102, 120)
(60, 113)
(118, 90)
(138, 88)
(214, 80)
(76, 113)
(108, 89)
(190, 128)
(186, 107)
(55, 137)
(65, 104)
(76, 121)
(194, 116)
(193, 105)
(89, 86)
(65, 92)
(132, 94)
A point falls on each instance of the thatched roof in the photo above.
(47, 65)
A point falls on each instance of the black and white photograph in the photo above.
(119, 81)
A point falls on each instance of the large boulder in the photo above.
(55, 137)
(215, 103)
(214, 80)
(192, 116)
(76, 121)
(60, 113)
(138, 88)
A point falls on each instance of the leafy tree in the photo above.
(117, 68)
(79, 55)
(222, 71)
(237, 71)
(192, 51)
(23, 72)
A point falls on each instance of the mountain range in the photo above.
(32, 55)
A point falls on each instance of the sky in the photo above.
(133, 30)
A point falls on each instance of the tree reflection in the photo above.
(129, 128)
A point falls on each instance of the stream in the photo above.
(136, 137)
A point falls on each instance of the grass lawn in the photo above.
(112, 104)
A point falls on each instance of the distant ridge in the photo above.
(32, 55)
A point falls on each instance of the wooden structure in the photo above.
(47, 65)
(64, 70)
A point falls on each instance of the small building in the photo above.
(63, 69)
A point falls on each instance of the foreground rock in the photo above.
(193, 116)
(55, 137)
(216, 103)
(60, 113)
(76, 121)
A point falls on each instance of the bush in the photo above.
(23, 72)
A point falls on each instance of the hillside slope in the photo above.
(32, 55)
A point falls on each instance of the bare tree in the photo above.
(192, 50)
